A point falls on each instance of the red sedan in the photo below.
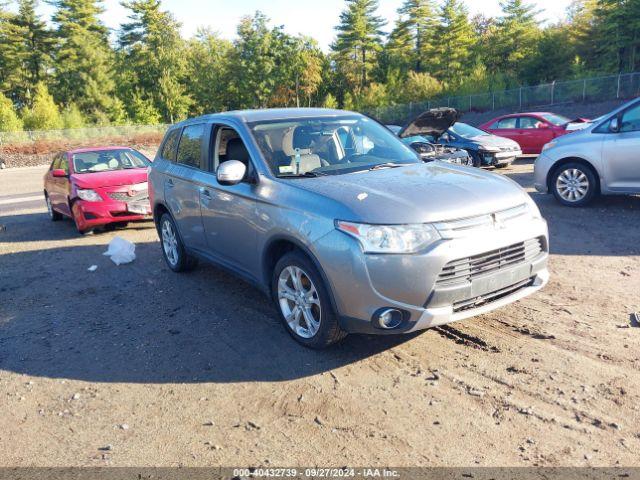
(98, 187)
(531, 130)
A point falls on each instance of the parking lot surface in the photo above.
(134, 365)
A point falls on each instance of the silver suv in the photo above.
(603, 158)
(341, 224)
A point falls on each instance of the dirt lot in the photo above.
(135, 365)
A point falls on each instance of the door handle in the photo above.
(170, 183)
(205, 192)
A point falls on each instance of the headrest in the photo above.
(237, 151)
(297, 140)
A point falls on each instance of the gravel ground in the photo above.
(138, 366)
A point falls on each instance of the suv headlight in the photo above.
(390, 238)
(89, 195)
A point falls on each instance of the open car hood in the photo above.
(433, 123)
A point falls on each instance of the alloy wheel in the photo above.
(572, 184)
(299, 301)
(170, 243)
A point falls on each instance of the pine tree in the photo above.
(44, 114)
(9, 61)
(453, 42)
(515, 38)
(358, 41)
(84, 60)
(32, 43)
(411, 41)
(153, 57)
(9, 121)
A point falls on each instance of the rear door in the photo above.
(184, 149)
(621, 153)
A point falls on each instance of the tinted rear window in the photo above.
(170, 144)
(190, 148)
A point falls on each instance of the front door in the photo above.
(534, 133)
(621, 153)
(229, 211)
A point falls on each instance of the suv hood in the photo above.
(112, 178)
(432, 123)
(417, 193)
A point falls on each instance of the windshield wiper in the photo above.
(302, 175)
(380, 166)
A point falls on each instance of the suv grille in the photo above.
(124, 196)
(466, 269)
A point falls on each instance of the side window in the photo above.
(505, 123)
(528, 123)
(229, 146)
(56, 162)
(630, 121)
(190, 147)
(170, 145)
(64, 164)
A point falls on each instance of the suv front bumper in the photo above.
(363, 284)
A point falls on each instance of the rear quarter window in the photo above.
(170, 145)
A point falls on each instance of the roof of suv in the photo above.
(270, 114)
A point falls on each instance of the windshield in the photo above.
(108, 160)
(555, 119)
(328, 145)
(466, 131)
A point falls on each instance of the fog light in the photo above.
(389, 318)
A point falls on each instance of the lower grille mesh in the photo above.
(491, 297)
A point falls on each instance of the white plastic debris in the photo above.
(121, 251)
(362, 196)
(92, 268)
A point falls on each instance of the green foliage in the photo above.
(358, 42)
(453, 42)
(9, 121)
(330, 101)
(44, 114)
(152, 58)
(154, 75)
(72, 117)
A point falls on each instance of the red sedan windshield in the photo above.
(108, 160)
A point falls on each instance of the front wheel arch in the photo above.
(560, 163)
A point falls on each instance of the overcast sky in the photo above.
(315, 18)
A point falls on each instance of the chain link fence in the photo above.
(595, 89)
(79, 135)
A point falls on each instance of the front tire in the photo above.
(303, 303)
(574, 184)
(173, 249)
(502, 165)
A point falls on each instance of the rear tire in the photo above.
(303, 304)
(173, 249)
(502, 165)
(53, 215)
(574, 184)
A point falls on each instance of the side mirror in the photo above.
(231, 172)
(614, 125)
(59, 173)
(543, 126)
